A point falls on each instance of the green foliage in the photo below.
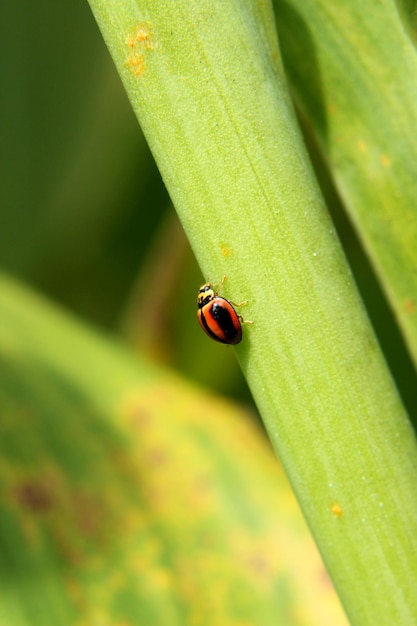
(354, 77)
(100, 517)
(130, 497)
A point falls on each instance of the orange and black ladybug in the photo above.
(217, 316)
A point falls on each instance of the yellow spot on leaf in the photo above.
(385, 161)
(362, 147)
(226, 250)
(144, 36)
(136, 64)
(140, 42)
(410, 306)
(337, 510)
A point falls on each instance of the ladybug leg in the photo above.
(242, 321)
(223, 281)
(218, 287)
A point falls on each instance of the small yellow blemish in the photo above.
(331, 108)
(410, 306)
(226, 250)
(337, 510)
(144, 36)
(162, 579)
(136, 64)
(385, 161)
(362, 147)
(139, 41)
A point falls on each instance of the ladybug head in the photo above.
(205, 295)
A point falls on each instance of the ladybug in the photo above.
(217, 316)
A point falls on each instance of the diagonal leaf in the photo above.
(354, 74)
(207, 85)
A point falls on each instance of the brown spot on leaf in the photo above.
(34, 496)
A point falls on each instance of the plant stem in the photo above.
(206, 83)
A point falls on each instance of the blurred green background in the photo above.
(85, 216)
(81, 196)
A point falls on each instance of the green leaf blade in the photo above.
(224, 134)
